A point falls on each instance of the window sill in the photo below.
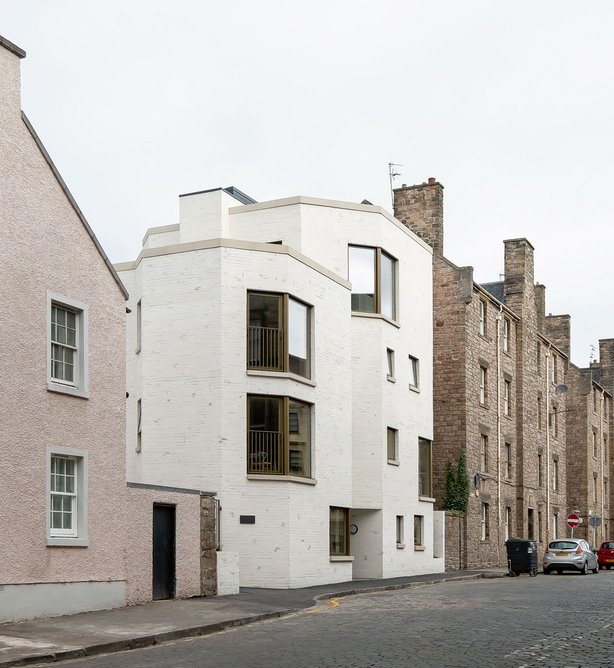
(377, 316)
(426, 499)
(419, 548)
(281, 374)
(414, 388)
(137, 351)
(391, 379)
(57, 541)
(394, 462)
(67, 389)
(282, 478)
(341, 557)
(400, 546)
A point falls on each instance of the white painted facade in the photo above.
(190, 373)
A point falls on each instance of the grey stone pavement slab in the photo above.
(90, 633)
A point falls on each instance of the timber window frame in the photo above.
(279, 333)
(375, 272)
(67, 346)
(483, 385)
(67, 483)
(425, 468)
(506, 335)
(339, 532)
(482, 328)
(279, 436)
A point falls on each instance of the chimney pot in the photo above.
(432, 180)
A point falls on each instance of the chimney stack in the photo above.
(420, 208)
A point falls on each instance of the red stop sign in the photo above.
(573, 520)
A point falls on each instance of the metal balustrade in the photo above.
(265, 348)
(265, 452)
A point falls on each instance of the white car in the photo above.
(570, 554)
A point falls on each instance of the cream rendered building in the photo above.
(280, 353)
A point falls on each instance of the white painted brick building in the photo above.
(255, 369)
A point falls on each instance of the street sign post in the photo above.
(573, 521)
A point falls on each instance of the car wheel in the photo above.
(584, 570)
(596, 570)
(608, 567)
(546, 571)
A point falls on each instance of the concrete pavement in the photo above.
(91, 633)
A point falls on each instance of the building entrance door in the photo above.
(163, 571)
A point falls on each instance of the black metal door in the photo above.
(163, 580)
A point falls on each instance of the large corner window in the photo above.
(279, 334)
(425, 468)
(67, 497)
(372, 273)
(278, 436)
(339, 532)
(67, 346)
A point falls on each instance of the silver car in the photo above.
(570, 554)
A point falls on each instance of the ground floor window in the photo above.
(485, 528)
(339, 532)
(67, 497)
(418, 531)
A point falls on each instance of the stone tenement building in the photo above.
(499, 394)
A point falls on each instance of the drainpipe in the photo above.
(548, 446)
(601, 462)
(498, 342)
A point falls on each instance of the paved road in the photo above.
(556, 621)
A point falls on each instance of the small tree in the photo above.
(457, 487)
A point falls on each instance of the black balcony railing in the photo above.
(265, 452)
(265, 348)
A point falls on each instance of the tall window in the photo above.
(67, 346)
(482, 325)
(540, 471)
(507, 392)
(418, 531)
(390, 363)
(67, 497)
(63, 487)
(392, 444)
(594, 488)
(425, 468)
(506, 335)
(279, 334)
(595, 450)
(63, 344)
(540, 413)
(483, 387)
(279, 436)
(485, 522)
(594, 400)
(139, 415)
(554, 369)
(483, 453)
(555, 474)
(372, 273)
(555, 525)
(414, 372)
(507, 465)
(508, 522)
(339, 532)
(554, 422)
(539, 357)
(139, 323)
(400, 530)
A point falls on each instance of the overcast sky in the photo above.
(509, 105)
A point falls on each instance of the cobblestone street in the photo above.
(558, 621)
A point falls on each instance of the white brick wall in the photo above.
(191, 375)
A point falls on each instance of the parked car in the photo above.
(570, 554)
(605, 554)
